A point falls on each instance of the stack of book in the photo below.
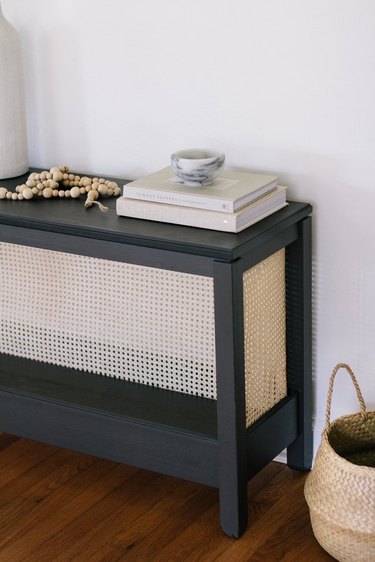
(235, 200)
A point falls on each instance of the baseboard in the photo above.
(281, 457)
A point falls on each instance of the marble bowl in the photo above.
(197, 166)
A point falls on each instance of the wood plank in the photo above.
(174, 519)
(231, 407)
(305, 548)
(51, 515)
(107, 249)
(58, 537)
(111, 437)
(298, 270)
(163, 539)
(106, 553)
(283, 513)
(154, 505)
(19, 457)
(90, 509)
(148, 427)
(269, 435)
(45, 476)
(71, 218)
(209, 541)
(106, 395)
(285, 538)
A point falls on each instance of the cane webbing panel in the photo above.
(137, 323)
(265, 335)
(142, 324)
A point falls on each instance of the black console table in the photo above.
(187, 436)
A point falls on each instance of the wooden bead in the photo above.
(102, 189)
(51, 183)
(57, 175)
(28, 193)
(75, 192)
(92, 195)
(47, 192)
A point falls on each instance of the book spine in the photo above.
(181, 199)
(175, 215)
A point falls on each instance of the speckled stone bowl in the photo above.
(197, 166)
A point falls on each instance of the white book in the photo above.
(201, 218)
(229, 192)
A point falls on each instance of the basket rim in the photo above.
(370, 470)
(369, 414)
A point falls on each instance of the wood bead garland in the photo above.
(58, 182)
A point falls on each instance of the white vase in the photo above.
(13, 135)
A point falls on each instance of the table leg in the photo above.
(298, 293)
(228, 294)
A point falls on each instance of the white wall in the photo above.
(281, 87)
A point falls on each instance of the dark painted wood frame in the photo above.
(181, 435)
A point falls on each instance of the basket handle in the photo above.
(330, 390)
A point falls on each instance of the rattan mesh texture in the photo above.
(137, 323)
(265, 335)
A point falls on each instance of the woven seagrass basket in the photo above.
(340, 490)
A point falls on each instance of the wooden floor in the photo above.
(60, 505)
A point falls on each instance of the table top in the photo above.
(69, 216)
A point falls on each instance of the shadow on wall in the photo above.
(53, 66)
(343, 262)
